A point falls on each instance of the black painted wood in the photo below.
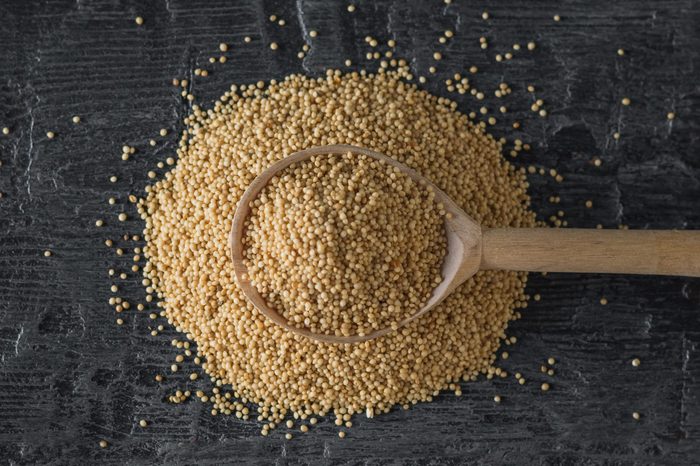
(69, 376)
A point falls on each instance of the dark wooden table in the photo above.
(69, 376)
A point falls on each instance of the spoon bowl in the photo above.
(463, 236)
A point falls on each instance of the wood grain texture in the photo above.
(647, 252)
(70, 377)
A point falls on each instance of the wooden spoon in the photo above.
(471, 248)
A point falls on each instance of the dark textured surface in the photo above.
(69, 376)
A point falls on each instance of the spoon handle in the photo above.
(646, 252)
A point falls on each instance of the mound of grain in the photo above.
(188, 217)
(344, 244)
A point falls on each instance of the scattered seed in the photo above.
(636, 362)
(545, 387)
(138, 20)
